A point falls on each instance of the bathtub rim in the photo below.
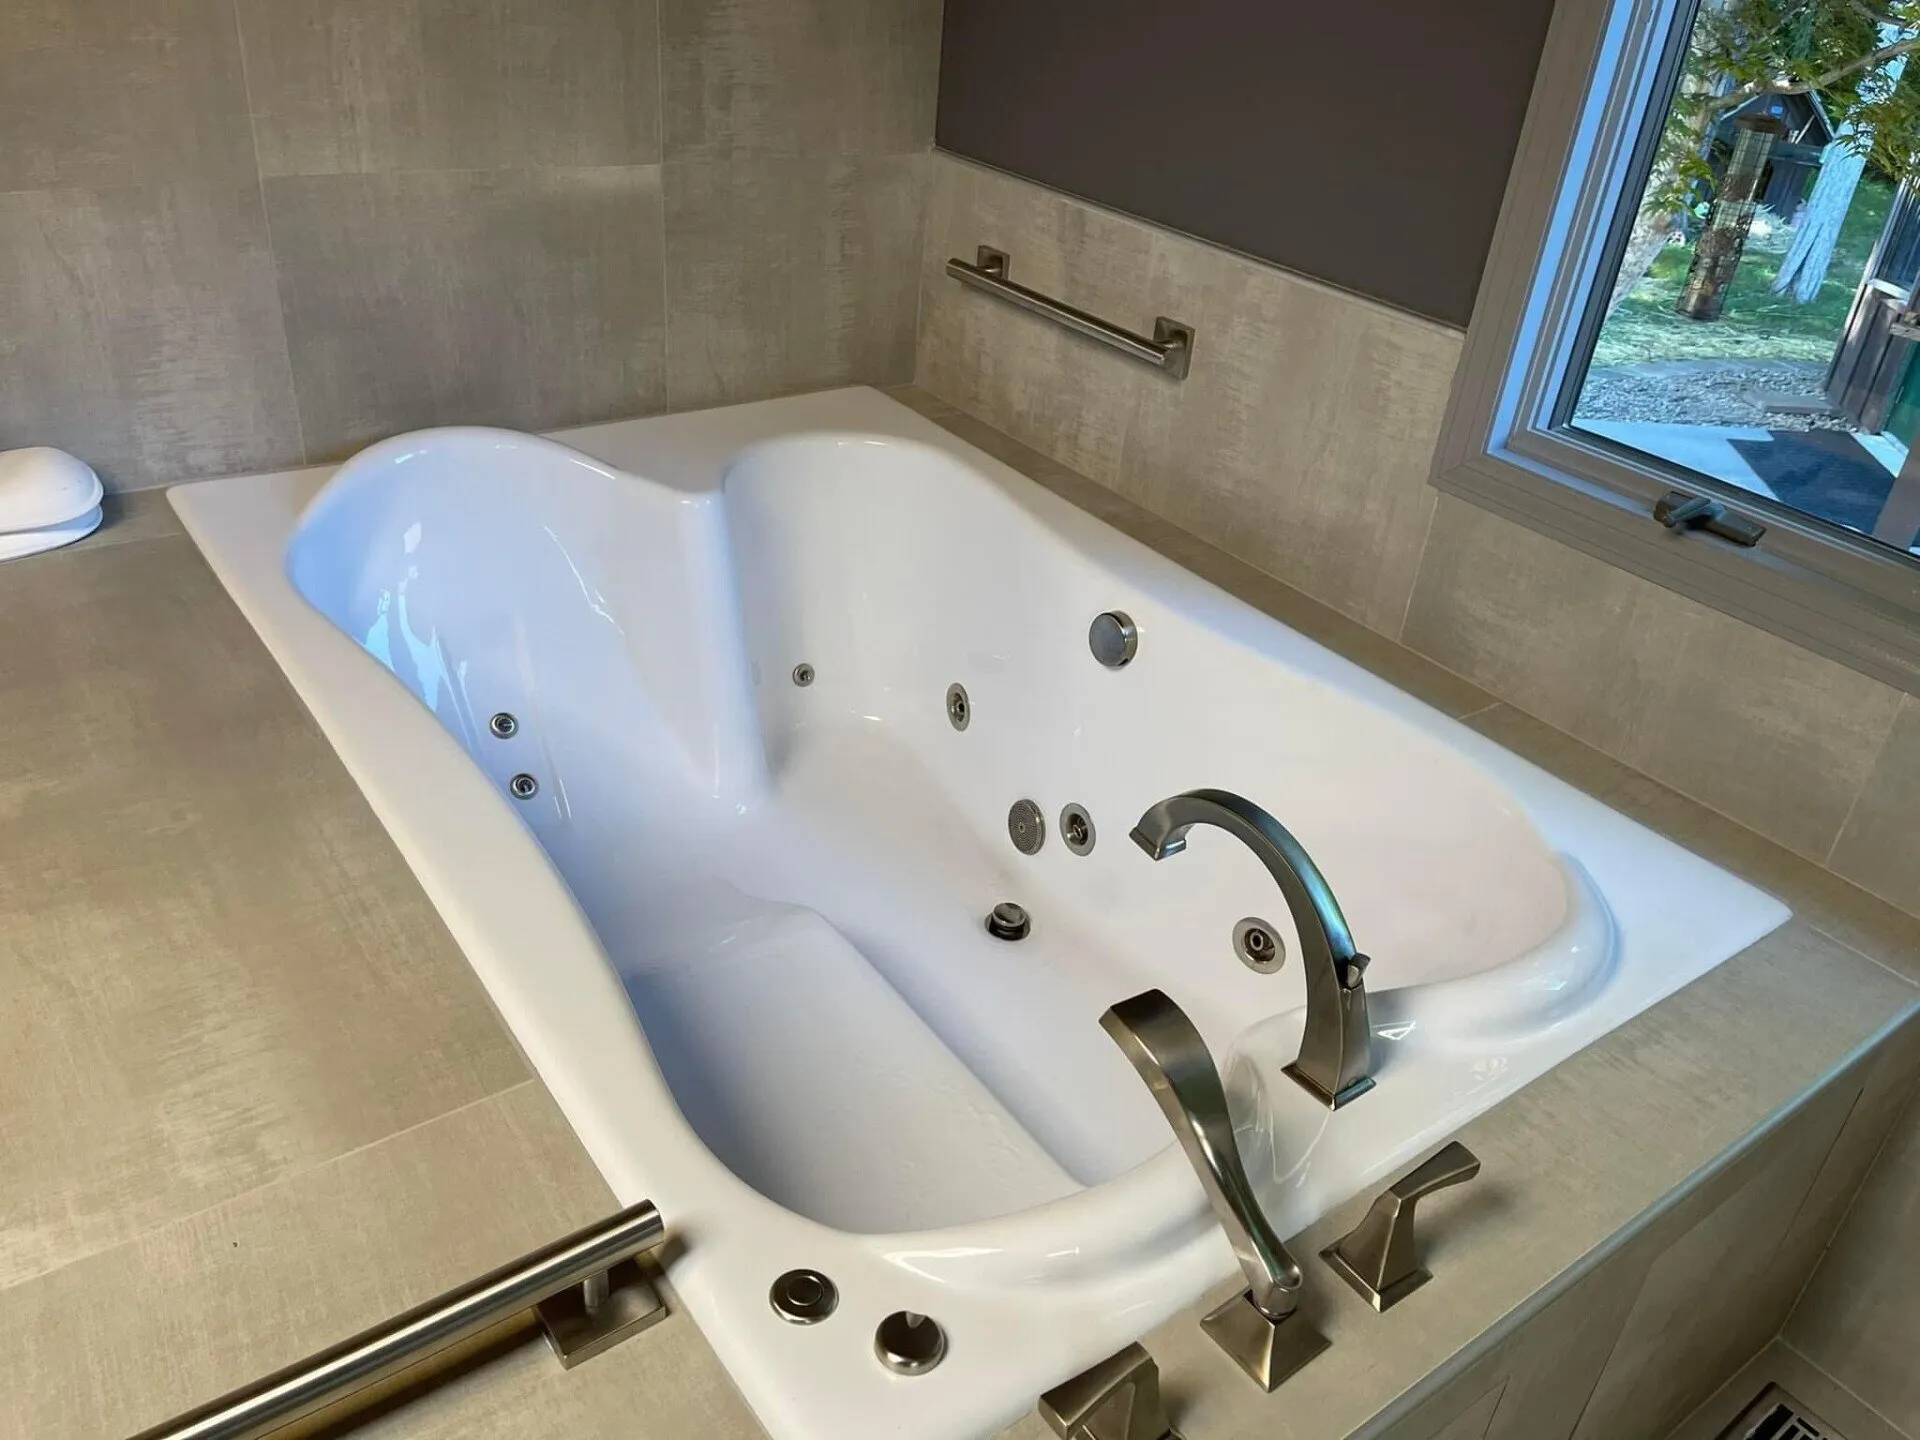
(1191, 1250)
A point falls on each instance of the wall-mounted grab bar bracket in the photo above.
(600, 1312)
(1170, 350)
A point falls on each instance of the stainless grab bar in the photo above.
(1170, 349)
(292, 1394)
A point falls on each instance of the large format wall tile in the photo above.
(217, 969)
(1834, 906)
(101, 93)
(124, 1339)
(1774, 736)
(370, 85)
(1860, 1316)
(1302, 438)
(747, 78)
(1707, 1303)
(530, 299)
(1055, 391)
(1880, 847)
(139, 328)
(786, 275)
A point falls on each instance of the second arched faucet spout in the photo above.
(1336, 1058)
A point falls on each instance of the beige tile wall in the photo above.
(1301, 443)
(237, 234)
(1859, 1320)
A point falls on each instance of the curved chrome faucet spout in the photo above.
(1260, 1328)
(1336, 1054)
(1171, 1057)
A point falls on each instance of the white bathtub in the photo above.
(738, 928)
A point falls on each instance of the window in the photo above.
(1695, 348)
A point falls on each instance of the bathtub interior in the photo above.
(791, 879)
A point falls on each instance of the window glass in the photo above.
(1762, 328)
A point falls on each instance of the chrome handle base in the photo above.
(1378, 1257)
(1267, 1348)
(1117, 1399)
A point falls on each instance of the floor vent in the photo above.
(1776, 1415)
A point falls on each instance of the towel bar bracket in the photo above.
(599, 1313)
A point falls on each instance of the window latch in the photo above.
(1678, 510)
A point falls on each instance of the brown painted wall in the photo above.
(1364, 144)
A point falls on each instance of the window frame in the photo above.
(1607, 74)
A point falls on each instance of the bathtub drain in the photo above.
(804, 1297)
(910, 1344)
(1008, 921)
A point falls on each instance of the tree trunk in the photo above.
(1654, 223)
(1716, 255)
(1651, 231)
(1805, 267)
(1841, 165)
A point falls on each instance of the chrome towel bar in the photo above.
(579, 1261)
(1170, 349)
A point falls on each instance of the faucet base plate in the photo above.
(1330, 1099)
(1268, 1350)
(1381, 1300)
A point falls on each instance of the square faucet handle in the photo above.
(1378, 1257)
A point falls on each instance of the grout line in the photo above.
(1837, 1384)
(1399, 635)
(1470, 714)
(666, 386)
(1879, 754)
(1824, 934)
(929, 181)
(266, 222)
(287, 1177)
(1726, 1399)
(1910, 1107)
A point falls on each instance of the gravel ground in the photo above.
(1704, 392)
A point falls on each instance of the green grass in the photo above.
(1756, 324)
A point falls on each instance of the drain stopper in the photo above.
(909, 1344)
(1008, 921)
(804, 1297)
